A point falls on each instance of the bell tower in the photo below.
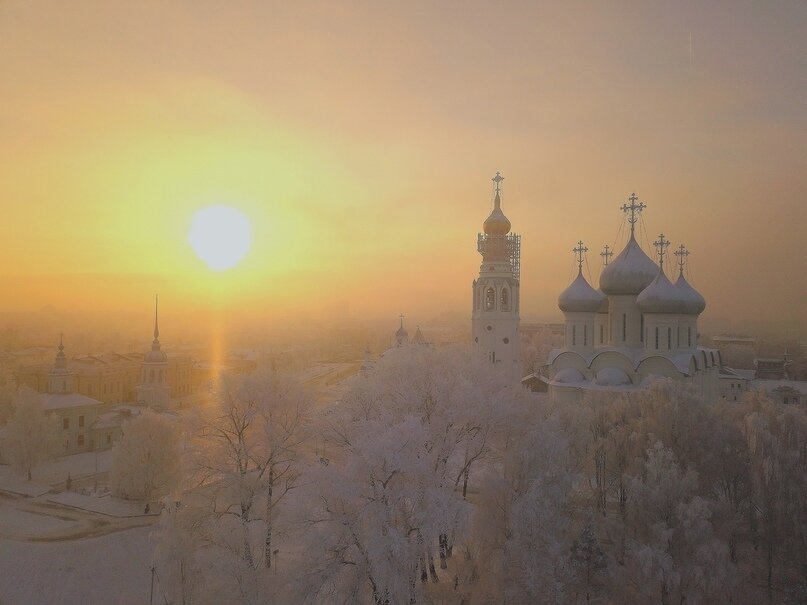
(495, 315)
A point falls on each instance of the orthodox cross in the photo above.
(579, 251)
(633, 210)
(498, 182)
(682, 254)
(661, 245)
(606, 254)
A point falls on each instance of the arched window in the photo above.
(151, 375)
(656, 337)
(625, 327)
(161, 376)
(669, 338)
(689, 336)
(574, 334)
(585, 335)
(505, 299)
(602, 330)
(641, 328)
(490, 299)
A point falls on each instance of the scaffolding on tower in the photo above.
(498, 246)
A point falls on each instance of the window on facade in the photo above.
(624, 327)
(641, 328)
(656, 337)
(505, 299)
(81, 420)
(490, 299)
(65, 423)
(80, 440)
(109, 438)
(689, 337)
(585, 335)
(602, 329)
(574, 335)
(669, 338)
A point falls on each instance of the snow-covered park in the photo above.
(429, 477)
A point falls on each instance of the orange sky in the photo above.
(360, 139)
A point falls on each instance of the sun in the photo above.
(220, 236)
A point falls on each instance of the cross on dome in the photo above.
(606, 254)
(579, 251)
(497, 180)
(633, 210)
(661, 246)
(682, 254)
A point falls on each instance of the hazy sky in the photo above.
(360, 138)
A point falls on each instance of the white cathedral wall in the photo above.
(625, 320)
(580, 332)
(661, 333)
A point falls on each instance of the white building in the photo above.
(495, 315)
(637, 326)
(76, 413)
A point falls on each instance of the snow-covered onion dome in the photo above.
(611, 377)
(661, 296)
(568, 375)
(629, 273)
(694, 303)
(580, 297)
(497, 223)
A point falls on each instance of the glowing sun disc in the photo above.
(220, 236)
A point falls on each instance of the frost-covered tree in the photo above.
(244, 454)
(146, 460)
(30, 433)
(407, 439)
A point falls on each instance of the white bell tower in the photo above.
(496, 297)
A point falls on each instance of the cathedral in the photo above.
(639, 325)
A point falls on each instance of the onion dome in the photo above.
(629, 273)
(694, 303)
(661, 296)
(497, 223)
(580, 297)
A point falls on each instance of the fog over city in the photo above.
(426, 303)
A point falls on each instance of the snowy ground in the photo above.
(55, 472)
(109, 569)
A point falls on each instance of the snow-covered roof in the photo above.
(636, 355)
(771, 385)
(580, 297)
(59, 401)
(630, 272)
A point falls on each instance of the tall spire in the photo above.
(60, 363)
(579, 252)
(606, 254)
(661, 247)
(682, 254)
(401, 316)
(633, 210)
(155, 344)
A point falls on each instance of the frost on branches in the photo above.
(434, 480)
